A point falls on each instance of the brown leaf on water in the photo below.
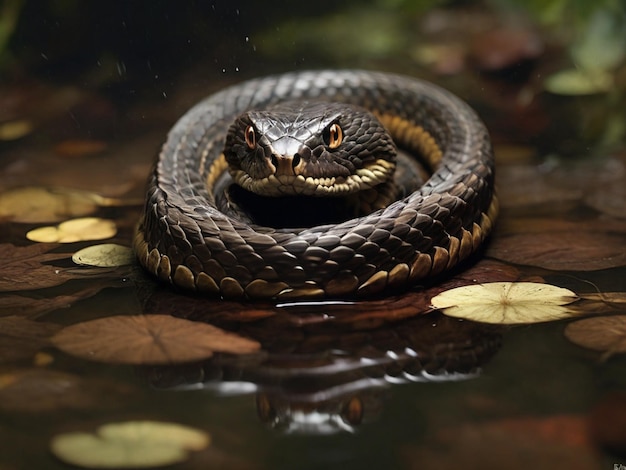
(605, 334)
(33, 307)
(21, 338)
(148, 339)
(23, 267)
(561, 251)
(523, 185)
(609, 199)
(43, 390)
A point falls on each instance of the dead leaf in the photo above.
(42, 390)
(32, 307)
(74, 230)
(131, 444)
(506, 302)
(561, 251)
(21, 338)
(609, 199)
(23, 267)
(605, 334)
(148, 339)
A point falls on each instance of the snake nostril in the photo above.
(274, 161)
(295, 161)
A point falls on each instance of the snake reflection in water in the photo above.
(187, 237)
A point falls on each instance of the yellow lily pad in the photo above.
(131, 444)
(75, 230)
(506, 302)
(106, 255)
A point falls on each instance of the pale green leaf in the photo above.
(506, 302)
(132, 444)
(106, 255)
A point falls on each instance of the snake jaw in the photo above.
(284, 184)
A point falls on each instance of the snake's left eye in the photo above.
(250, 137)
(334, 136)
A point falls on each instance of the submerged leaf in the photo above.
(75, 230)
(506, 302)
(148, 339)
(131, 444)
(106, 255)
(605, 334)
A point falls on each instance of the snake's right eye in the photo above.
(250, 137)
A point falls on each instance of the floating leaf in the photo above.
(605, 334)
(131, 444)
(22, 267)
(75, 230)
(36, 205)
(609, 199)
(25, 305)
(576, 250)
(21, 338)
(106, 255)
(148, 339)
(506, 302)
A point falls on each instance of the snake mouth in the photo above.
(365, 178)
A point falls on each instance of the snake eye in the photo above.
(334, 136)
(250, 137)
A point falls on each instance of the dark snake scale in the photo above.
(186, 239)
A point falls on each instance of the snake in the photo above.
(318, 134)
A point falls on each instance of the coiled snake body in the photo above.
(186, 239)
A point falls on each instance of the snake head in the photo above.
(309, 148)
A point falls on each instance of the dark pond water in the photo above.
(87, 94)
